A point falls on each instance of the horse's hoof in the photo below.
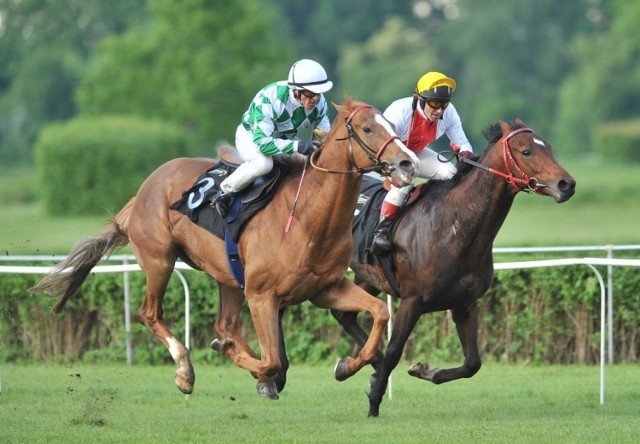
(280, 380)
(268, 390)
(342, 369)
(221, 345)
(423, 371)
(185, 381)
(374, 409)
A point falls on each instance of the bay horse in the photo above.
(282, 267)
(443, 243)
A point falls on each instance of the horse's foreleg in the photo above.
(466, 320)
(406, 318)
(280, 378)
(150, 314)
(347, 296)
(349, 322)
(230, 340)
(228, 323)
(264, 312)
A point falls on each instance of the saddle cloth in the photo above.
(196, 202)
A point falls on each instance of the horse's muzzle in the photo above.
(403, 173)
(564, 189)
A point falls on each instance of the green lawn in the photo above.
(501, 404)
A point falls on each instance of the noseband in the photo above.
(383, 167)
(522, 183)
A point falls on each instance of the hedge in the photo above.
(549, 315)
(89, 164)
(619, 141)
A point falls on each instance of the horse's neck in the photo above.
(335, 195)
(480, 202)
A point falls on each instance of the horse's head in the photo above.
(528, 161)
(372, 141)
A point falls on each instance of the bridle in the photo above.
(523, 182)
(383, 167)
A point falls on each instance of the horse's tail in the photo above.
(65, 279)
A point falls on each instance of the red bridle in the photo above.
(374, 155)
(522, 183)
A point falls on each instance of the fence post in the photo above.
(610, 303)
(127, 312)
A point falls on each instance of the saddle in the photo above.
(367, 215)
(196, 202)
(365, 220)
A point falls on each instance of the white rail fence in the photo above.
(606, 290)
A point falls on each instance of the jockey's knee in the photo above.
(261, 165)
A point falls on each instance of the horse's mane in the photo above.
(493, 133)
(347, 106)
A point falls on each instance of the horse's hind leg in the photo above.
(150, 314)
(466, 320)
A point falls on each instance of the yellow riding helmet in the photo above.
(435, 86)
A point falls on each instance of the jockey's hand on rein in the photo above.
(319, 135)
(460, 153)
(306, 147)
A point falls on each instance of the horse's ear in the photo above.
(340, 108)
(518, 120)
(506, 128)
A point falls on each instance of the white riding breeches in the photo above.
(431, 166)
(255, 163)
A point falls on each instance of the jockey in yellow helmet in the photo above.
(419, 120)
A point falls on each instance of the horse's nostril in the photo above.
(407, 165)
(566, 185)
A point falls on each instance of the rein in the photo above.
(523, 183)
(383, 167)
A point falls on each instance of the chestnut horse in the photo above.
(282, 267)
(442, 253)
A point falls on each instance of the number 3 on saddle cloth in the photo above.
(196, 203)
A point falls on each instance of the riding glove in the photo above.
(306, 148)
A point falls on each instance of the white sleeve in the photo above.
(399, 113)
(454, 130)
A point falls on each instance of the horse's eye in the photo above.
(367, 130)
(526, 153)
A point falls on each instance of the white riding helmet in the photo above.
(309, 75)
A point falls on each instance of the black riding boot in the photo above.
(222, 201)
(381, 241)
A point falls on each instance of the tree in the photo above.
(387, 66)
(510, 58)
(605, 85)
(323, 27)
(196, 63)
(44, 48)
